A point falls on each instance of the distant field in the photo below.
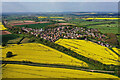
(90, 50)
(41, 25)
(22, 21)
(102, 18)
(57, 17)
(39, 53)
(82, 22)
(106, 28)
(42, 17)
(102, 25)
(24, 71)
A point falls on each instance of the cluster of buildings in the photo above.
(68, 32)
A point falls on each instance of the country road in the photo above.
(56, 66)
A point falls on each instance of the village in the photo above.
(69, 32)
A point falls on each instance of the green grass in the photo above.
(82, 22)
(101, 25)
(106, 28)
(38, 26)
(14, 41)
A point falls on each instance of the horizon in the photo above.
(22, 7)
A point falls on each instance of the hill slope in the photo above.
(90, 50)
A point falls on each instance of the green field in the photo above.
(6, 38)
(38, 26)
(106, 28)
(82, 22)
(109, 26)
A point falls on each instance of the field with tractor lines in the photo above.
(90, 50)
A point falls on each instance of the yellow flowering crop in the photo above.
(101, 18)
(2, 27)
(39, 53)
(42, 17)
(56, 17)
(24, 71)
(90, 50)
(116, 50)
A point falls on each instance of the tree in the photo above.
(9, 54)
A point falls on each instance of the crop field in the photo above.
(51, 17)
(4, 32)
(57, 17)
(6, 38)
(42, 17)
(24, 71)
(39, 53)
(22, 21)
(116, 50)
(2, 27)
(106, 28)
(102, 18)
(90, 50)
(110, 26)
(41, 25)
(82, 22)
(14, 41)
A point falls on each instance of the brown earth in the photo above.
(64, 24)
(13, 24)
(28, 21)
(5, 32)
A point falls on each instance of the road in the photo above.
(56, 66)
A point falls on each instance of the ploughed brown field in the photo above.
(64, 24)
(27, 23)
(5, 32)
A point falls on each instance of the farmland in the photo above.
(24, 71)
(82, 22)
(103, 18)
(57, 17)
(40, 54)
(116, 50)
(51, 17)
(2, 27)
(90, 50)
(60, 46)
(38, 26)
(42, 17)
(8, 37)
(105, 26)
(4, 32)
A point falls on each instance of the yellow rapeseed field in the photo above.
(101, 18)
(42, 17)
(2, 27)
(24, 71)
(116, 50)
(56, 17)
(90, 50)
(39, 53)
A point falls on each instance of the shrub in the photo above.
(9, 54)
